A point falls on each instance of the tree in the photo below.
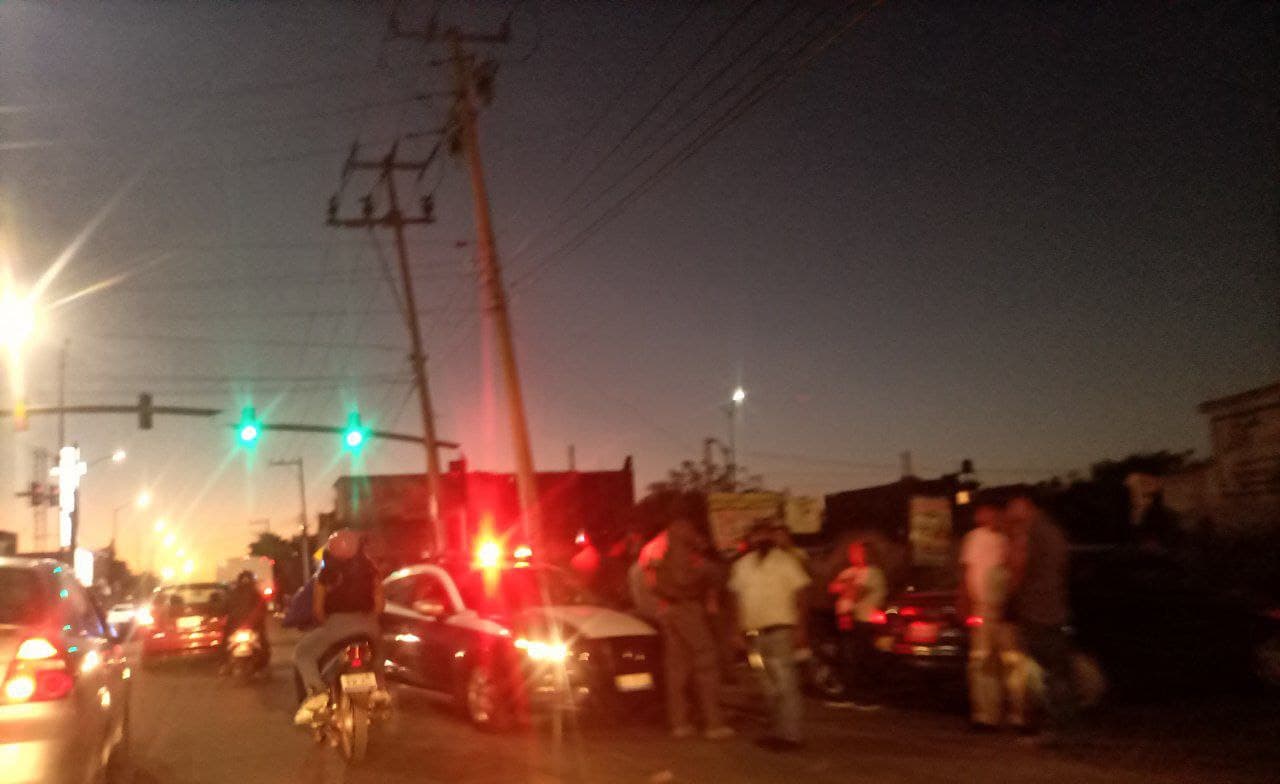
(708, 475)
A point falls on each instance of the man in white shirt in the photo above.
(996, 674)
(768, 585)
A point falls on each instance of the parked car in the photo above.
(1151, 625)
(507, 640)
(183, 620)
(65, 694)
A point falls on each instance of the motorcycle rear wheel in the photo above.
(353, 729)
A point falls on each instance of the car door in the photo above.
(401, 635)
(97, 661)
(431, 608)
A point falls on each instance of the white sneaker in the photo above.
(307, 711)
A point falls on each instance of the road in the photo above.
(192, 727)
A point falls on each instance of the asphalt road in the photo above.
(191, 726)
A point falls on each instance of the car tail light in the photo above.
(878, 617)
(973, 620)
(38, 673)
(909, 612)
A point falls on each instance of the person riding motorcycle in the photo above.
(347, 603)
(247, 609)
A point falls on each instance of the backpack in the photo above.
(300, 613)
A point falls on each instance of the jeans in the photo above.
(336, 629)
(1049, 647)
(780, 680)
(690, 655)
(859, 660)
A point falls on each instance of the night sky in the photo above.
(1034, 236)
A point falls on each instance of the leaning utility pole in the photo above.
(469, 83)
(387, 168)
(468, 139)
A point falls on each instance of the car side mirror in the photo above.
(429, 607)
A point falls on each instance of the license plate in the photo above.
(359, 682)
(634, 681)
(921, 632)
(190, 622)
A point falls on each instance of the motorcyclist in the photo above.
(346, 603)
(247, 609)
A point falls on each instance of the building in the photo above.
(395, 507)
(1236, 490)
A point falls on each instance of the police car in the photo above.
(504, 638)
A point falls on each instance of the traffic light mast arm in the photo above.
(387, 435)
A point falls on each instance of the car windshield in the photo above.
(513, 590)
(192, 600)
(21, 600)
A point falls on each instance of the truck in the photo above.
(263, 569)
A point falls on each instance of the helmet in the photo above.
(343, 544)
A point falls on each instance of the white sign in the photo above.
(69, 471)
(930, 531)
(804, 514)
(733, 514)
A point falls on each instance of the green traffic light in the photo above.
(249, 428)
(355, 434)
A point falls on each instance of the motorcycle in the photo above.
(352, 683)
(246, 654)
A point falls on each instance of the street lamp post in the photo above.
(302, 497)
(735, 403)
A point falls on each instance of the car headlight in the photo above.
(242, 636)
(540, 651)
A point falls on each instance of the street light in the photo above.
(735, 403)
(17, 319)
(141, 502)
(119, 456)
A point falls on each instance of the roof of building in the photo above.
(1240, 398)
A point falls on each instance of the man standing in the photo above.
(684, 581)
(996, 677)
(768, 585)
(1038, 578)
(861, 590)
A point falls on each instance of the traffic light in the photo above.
(144, 411)
(249, 428)
(353, 437)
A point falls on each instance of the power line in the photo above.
(746, 101)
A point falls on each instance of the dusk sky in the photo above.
(1035, 236)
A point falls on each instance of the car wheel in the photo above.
(485, 701)
(1266, 662)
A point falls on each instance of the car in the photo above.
(66, 681)
(503, 641)
(1151, 625)
(120, 616)
(182, 620)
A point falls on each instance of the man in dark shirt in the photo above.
(1039, 563)
(247, 609)
(347, 604)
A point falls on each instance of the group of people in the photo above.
(1013, 586)
(1014, 583)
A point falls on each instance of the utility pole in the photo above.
(468, 139)
(302, 497)
(387, 168)
(62, 394)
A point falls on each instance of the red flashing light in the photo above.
(878, 617)
(909, 612)
(973, 621)
(488, 554)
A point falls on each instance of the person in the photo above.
(768, 588)
(247, 609)
(684, 581)
(347, 604)
(861, 590)
(997, 680)
(1039, 562)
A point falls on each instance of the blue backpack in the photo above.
(300, 612)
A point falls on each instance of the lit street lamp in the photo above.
(735, 403)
